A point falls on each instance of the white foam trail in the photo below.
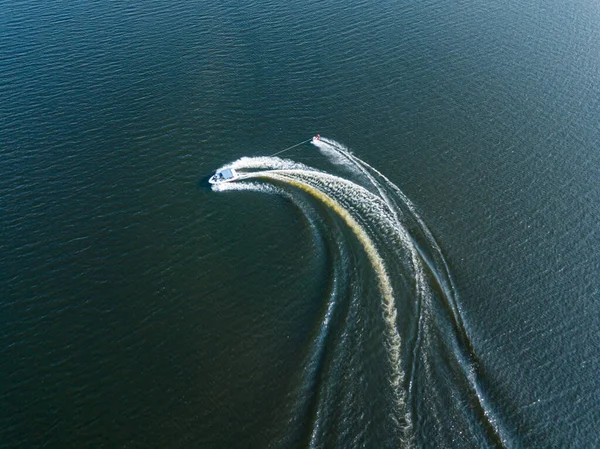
(344, 156)
(336, 147)
(443, 279)
(265, 163)
(322, 335)
(322, 186)
(253, 186)
(338, 151)
(333, 155)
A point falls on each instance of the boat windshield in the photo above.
(226, 174)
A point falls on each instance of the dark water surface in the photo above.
(139, 308)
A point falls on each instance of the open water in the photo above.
(426, 275)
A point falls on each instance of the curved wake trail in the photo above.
(428, 338)
(437, 267)
(377, 263)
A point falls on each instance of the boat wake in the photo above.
(391, 359)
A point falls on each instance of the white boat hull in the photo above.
(223, 176)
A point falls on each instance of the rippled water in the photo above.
(138, 307)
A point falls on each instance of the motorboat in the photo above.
(224, 175)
